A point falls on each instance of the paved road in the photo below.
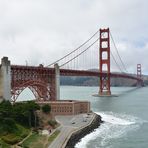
(68, 125)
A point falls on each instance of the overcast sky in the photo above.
(41, 31)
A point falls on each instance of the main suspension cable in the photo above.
(118, 53)
(116, 62)
(80, 53)
(74, 49)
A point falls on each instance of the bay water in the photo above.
(125, 117)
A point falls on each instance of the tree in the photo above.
(5, 108)
(46, 108)
(32, 107)
(24, 113)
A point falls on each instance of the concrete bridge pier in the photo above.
(5, 79)
(57, 82)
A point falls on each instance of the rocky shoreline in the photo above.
(78, 135)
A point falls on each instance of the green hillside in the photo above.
(16, 121)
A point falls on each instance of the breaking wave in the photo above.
(114, 126)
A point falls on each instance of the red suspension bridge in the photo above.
(44, 82)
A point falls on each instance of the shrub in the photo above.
(11, 139)
(52, 123)
(7, 125)
(46, 108)
(24, 133)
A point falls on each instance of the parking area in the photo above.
(70, 123)
(75, 121)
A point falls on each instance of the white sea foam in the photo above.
(114, 126)
(115, 120)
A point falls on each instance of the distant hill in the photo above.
(94, 81)
(79, 81)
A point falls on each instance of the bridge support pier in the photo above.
(104, 63)
(57, 82)
(5, 79)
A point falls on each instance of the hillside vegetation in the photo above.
(16, 121)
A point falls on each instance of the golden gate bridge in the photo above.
(44, 82)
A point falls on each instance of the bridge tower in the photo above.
(104, 62)
(139, 75)
(139, 70)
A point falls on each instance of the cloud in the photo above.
(42, 31)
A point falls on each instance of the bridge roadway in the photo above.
(69, 72)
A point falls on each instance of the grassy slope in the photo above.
(53, 136)
(4, 145)
(35, 141)
(13, 138)
(39, 141)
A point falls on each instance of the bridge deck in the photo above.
(68, 72)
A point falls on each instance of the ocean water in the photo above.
(125, 117)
